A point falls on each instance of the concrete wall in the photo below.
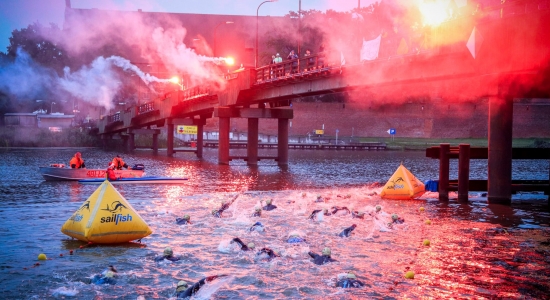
(431, 119)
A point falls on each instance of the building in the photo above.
(54, 122)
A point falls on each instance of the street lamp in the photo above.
(176, 80)
(215, 29)
(51, 108)
(257, 10)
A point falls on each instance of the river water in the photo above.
(476, 250)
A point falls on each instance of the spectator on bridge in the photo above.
(279, 70)
(310, 61)
(77, 162)
(292, 56)
(321, 56)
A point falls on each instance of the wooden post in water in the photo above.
(252, 144)
(200, 138)
(463, 172)
(223, 142)
(282, 144)
(443, 185)
(499, 179)
(170, 137)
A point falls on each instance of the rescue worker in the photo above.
(168, 254)
(321, 259)
(349, 281)
(184, 221)
(110, 174)
(119, 163)
(192, 290)
(347, 231)
(269, 206)
(244, 247)
(77, 162)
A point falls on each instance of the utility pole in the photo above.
(299, 27)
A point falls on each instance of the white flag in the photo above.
(370, 49)
(342, 59)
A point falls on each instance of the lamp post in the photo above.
(257, 10)
(215, 29)
(51, 108)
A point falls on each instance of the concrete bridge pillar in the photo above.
(282, 142)
(252, 146)
(155, 143)
(499, 181)
(200, 138)
(223, 142)
(170, 137)
(131, 143)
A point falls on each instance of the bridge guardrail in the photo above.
(146, 107)
(313, 63)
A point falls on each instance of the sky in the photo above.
(17, 14)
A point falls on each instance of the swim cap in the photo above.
(214, 211)
(258, 209)
(325, 210)
(168, 251)
(269, 201)
(294, 234)
(360, 213)
(109, 274)
(378, 208)
(351, 276)
(251, 245)
(186, 217)
(181, 286)
(326, 251)
(394, 217)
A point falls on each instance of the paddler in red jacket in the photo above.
(77, 162)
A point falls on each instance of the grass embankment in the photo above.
(421, 143)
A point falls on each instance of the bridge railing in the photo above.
(194, 92)
(290, 67)
(113, 118)
(146, 107)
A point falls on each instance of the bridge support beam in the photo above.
(223, 142)
(499, 181)
(200, 138)
(252, 146)
(170, 138)
(155, 142)
(282, 142)
(131, 143)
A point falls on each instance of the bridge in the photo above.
(513, 61)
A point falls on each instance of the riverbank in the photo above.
(421, 143)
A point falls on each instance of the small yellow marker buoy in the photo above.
(42, 256)
(409, 275)
(421, 209)
(426, 243)
(428, 222)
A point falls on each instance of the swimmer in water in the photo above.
(168, 254)
(183, 221)
(347, 232)
(396, 219)
(182, 291)
(244, 247)
(257, 212)
(106, 277)
(295, 238)
(349, 281)
(267, 254)
(269, 206)
(357, 214)
(341, 210)
(321, 259)
(259, 227)
(314, 214)
(225, 205)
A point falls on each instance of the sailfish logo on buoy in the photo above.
(85, 205)
(116, 205)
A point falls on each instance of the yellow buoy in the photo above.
(106, 218)
(42, 256)
(426, 242)
(409, 275)
(428, 222)
(421, 209)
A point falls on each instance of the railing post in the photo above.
(463, 172)
(443, 185)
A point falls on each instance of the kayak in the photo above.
(58, 172)
(141, 180)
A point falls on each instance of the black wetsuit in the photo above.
(269, 252)
(182, 221)
(269, 207)
(257, 214)
(256, 225)
(170, 258)
(315, 212)
(192, 290)
(100, 279)
(347, 231)
(349, 283)
(225, 206)
(320, 259)
(335, 209)
(399, 221)
(243, 246)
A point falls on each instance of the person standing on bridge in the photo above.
(278, 59)
(292, 56)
